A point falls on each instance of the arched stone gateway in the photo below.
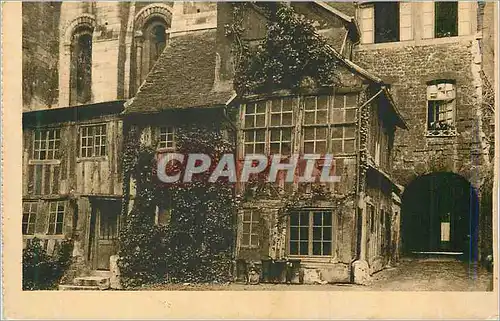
(440, 215)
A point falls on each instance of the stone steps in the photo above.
(70, 287)
(102, 273)
(97, 281)
(102, 282)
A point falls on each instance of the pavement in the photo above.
(408, 275)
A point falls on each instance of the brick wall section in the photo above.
(407, 69)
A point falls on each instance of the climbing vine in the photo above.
(292, 55)
(196, 245)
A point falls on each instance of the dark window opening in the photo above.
(81, 78)
(157, 41)
(372, 218)
(446, 15)
(148, 48)
(386, 22)
(441, 107)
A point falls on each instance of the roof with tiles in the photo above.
(183, 77)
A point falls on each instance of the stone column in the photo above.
(139, 42)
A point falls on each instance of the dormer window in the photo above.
(441, 108)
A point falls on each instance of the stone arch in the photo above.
(141, 59)
(155, 10)
(440, 213)
(84, 20)
(436, 162)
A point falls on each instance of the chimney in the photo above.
(224, 64)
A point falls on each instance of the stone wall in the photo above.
(40, 54)
(408, 68)
(47, 30)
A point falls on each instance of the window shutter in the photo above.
(405, 21)
(428, 19)
(367, 24)
(464, 18)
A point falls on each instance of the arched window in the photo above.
(157, 41)
(81, 66)
(150, 43)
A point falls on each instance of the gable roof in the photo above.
(338, 13)
(353, 26)
(182, 77)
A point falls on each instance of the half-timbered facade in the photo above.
(72, 186)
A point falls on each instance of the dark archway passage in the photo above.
(440, 214)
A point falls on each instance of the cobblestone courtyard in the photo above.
(409, 275)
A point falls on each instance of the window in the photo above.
(268, 126)
(343, 140)
(29, 217)
(149, 46)
(315, 129)
(250, 235)
(163, 216)
(163, 213)
(56, 217)
(386, 22)
(167, 138)
(446, 19)
(157, 41)
(315, 140)
(46, 144)
(271, 120)
(281, 116)
(93, 141)
(255, 127)
(441, 108)
(311, 233)
(316, 110)
(81, 66)
(344, 108)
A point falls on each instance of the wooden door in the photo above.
(106, 232)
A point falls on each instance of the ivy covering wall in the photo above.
(291, 56)
(196, 245)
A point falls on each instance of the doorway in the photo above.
(440, 213)
(104, 232)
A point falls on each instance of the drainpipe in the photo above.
(358, 161)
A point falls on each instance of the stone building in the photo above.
(92, 69)
(437, 59)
